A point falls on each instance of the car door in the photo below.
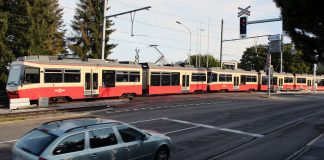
(104, 145)
(71, 147)
(136, 145)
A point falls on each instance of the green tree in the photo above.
(87, 25)
(304, 22)
(29, 27)
(292, 63)
(254, 58)
(35, 27)
(212, 61)
(6, 55)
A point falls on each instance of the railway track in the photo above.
(267, 136)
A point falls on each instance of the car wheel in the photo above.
(162, 154)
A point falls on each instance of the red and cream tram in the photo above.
(232, 80)
(44, 76)
(304, 82)
(173, 79)
(34, 77)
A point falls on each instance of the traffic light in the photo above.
(243, 27)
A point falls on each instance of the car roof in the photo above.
(60, 127)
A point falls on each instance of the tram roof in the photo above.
(74, 61)
(217, 69)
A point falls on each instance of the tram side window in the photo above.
(155, 79)
(288, 80)
(196, 77)
(243, 79)
(274, 81)
(202, 77)
(122, 76)
(211, 77)
(53, 76)
(321, 82)
(71, 76)
(166, 79)
(108, 78)
(301, 80)
(264, 80)
(175, 79)
(31, 75)
(134, 76)
(225, 78)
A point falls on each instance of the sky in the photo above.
(158, 26)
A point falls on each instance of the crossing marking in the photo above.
(213, 127)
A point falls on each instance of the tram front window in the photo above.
(14, 76)
(31, 75)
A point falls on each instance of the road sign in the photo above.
(244, 11)
(276, 37)
(274, 48)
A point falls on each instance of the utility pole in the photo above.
(104, 31)
(269, 73)
(207, 46)
(281, 45)
(221, 45)
(190, 39)
(314, 78)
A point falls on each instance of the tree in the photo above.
(35, 27)
(29, 27)
(304, 22)
(212, 61)
(254, 58)
(292, 63)
(87, 25)
(6, 54)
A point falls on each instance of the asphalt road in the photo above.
(235, 126)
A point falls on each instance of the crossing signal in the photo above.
(243, 21)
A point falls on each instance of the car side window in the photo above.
(102, 138)
(70, 144)
(129, 134)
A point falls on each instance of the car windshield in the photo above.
(14, 75)
(35, 142)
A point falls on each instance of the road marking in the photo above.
(148, 120)
(180, 130)
(314, 140)
(213, 127)
(8, 141)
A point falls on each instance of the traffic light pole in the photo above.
(269, 73)
(221, 45)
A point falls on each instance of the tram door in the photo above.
(309, 84)
(185, 83)
(91, 87)
(280, 83)
(236, 83)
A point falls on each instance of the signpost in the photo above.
(274, 47)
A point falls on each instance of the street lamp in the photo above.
(190, 39)
(200, 29)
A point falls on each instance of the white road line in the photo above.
(8, 141)
(148, 120)
(216, 128)
(314, 140)
(180, 130)
(135, 109)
